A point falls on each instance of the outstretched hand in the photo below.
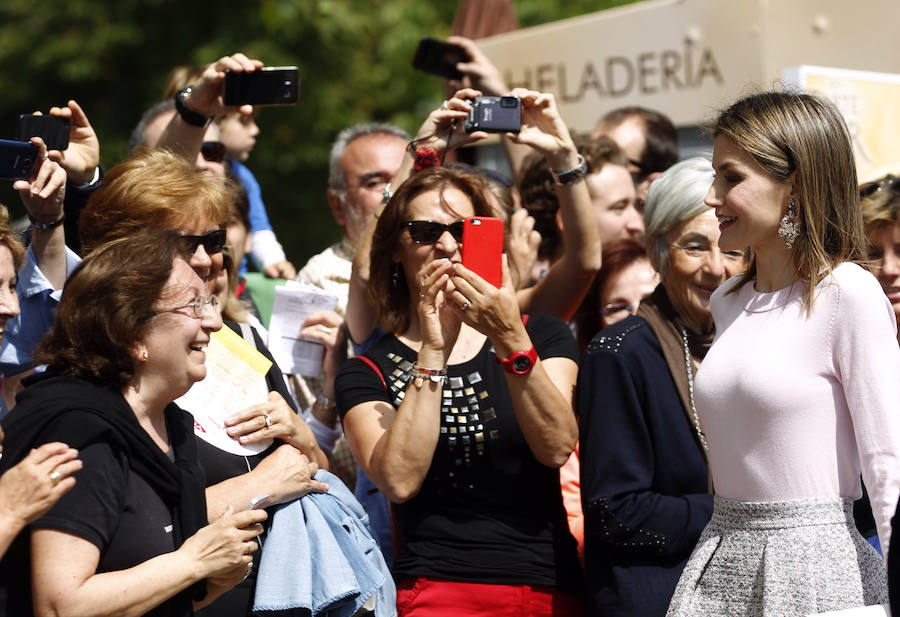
(82, 157)
(43, 194)
(206, 93)
(443, 128)
(542, 127)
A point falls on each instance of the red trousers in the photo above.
(424, 597)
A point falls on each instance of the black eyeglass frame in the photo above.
(213, 151)
(213, 242)
(428, 232)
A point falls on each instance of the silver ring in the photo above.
(445, 104)
(268, 420)
(249, 570)
(326, 329)
(467, 304)
(55, 477)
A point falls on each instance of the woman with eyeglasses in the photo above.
(461, 415)
(158, 189)
(644, 479)
(131, 537)
(880, 203)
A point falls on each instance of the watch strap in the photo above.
(188, 115)
(571, 175)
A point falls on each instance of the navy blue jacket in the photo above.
(643, 474)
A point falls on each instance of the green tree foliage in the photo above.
(354, 58)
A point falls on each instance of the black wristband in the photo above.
(50, 225)
(188, 115)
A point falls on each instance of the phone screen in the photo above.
(482, 250)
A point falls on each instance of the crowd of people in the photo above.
(667, 406)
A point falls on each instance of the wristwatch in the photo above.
(189, 115)
(519, 362)
(571, 175)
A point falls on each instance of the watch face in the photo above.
(521, 364)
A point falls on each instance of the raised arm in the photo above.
(43, 196)
(562, 289)
(205, 99)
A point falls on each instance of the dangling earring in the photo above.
(144, 356)
(395, 276)
(789, 227)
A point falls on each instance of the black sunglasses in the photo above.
(428, 232)
(213, 242)
(213, 151)
(870, 188)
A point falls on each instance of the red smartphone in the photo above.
(482, 248)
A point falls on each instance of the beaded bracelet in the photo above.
(437, 375)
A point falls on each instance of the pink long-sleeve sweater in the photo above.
(795, 404)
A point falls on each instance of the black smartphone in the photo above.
(494, 114)
(17, 159)
(54, 130)
(439, 58)
(270, 85)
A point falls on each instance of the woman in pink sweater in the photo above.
(799, 391)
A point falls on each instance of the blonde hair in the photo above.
(153, 189)
(791, 133)
(10, 240)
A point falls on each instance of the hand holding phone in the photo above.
(482, 249)
(439, 58)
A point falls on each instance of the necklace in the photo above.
(690, 373)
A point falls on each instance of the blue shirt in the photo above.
(37, 305)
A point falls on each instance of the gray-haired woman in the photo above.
(644, 476)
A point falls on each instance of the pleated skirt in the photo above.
(787, 558)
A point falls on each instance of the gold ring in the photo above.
(55, 477)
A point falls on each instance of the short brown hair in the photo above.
(537, 189)
(803, 134)
(880, 202)
(153, 188)
(392, 302)
(105, 307)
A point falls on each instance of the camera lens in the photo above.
(27, 162)
(286, 90)
(510, 102)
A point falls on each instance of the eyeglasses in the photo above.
(428, 232)
(213, 242)
(870, 188)
(213, 151)
(198, 306)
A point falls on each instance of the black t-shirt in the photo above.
(219, 465)
(487, 511)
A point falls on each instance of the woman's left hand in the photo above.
(443, 128)
(269, 420)
(492, 311)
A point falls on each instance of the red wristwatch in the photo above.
(519, 362)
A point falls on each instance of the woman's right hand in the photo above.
(443, 128)
(227, 544)
(286, 474)
(544, 129)
(439, 325)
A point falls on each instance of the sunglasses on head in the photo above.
(870, 188)
(213, 151)
(428, 232)
(213, 242)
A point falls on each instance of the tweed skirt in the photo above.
(780, 559)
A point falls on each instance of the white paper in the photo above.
(294, 302)
(231, 384)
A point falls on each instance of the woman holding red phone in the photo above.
(461, 415)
